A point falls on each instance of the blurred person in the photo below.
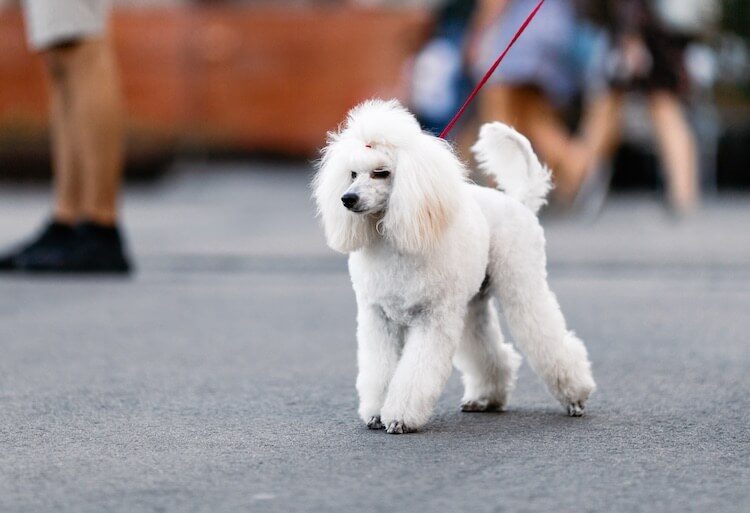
(648, 43)
(541, 77)
(439, 82)
(537, 81)
(86, 118)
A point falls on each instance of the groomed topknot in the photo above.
(381, 122)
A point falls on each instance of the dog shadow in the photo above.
(506, 424)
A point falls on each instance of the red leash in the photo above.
(489, 73)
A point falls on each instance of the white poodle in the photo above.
(429, 252)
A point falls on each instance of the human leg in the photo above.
(529, 111)
(678, 151)
(87, 129)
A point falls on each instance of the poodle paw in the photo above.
(576, 409)
(374, 422)
(397, 427)
(482, 405)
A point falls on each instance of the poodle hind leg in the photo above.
(488, 364)
(556, 354)
(537, 323)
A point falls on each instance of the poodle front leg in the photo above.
(377, 356)
(421, 374)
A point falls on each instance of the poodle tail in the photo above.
(506, 156)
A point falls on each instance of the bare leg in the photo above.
(678, 150)
(65, 164)
(500, 103)
(489, 365)
(601, 122)
(87, 130)
(532, 114)
(466, 138)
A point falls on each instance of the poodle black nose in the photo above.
(349, 199)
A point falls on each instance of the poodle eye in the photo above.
(354, 175)
(380, 174)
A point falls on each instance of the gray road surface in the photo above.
(221, 377)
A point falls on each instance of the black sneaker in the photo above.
(94, 249)
(50, 245)
(99, 249)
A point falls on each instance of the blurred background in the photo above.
(221, 376)
(242, 79)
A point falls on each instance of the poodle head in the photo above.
(382, 178)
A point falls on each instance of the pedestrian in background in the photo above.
(648, 40)
(543, 75)
(536, 83)
(86, 118)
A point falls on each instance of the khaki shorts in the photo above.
(53, 22)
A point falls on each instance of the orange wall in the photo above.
(258, 78)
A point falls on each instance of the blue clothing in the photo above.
(544, 55)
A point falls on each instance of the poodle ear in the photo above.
(345, 231)
(425, 195)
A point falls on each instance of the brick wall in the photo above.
(265, 78)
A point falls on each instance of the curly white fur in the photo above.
(505, 155)
(430, 254)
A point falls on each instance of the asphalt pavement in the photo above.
(220, 377)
